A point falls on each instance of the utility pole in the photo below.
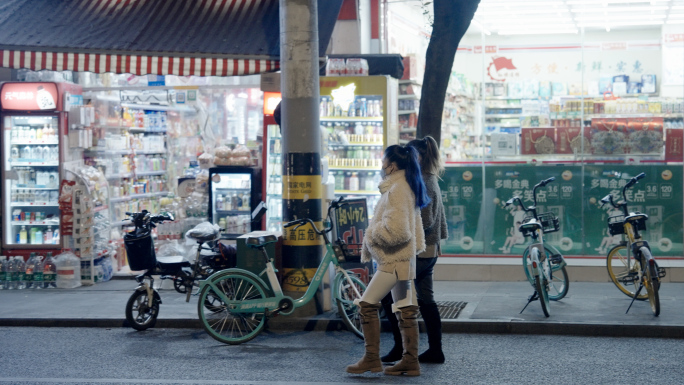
(301, 144)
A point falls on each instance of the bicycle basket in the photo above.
(616, 224)
(549, 222)
(140, 251)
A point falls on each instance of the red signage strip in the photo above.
(134, 64)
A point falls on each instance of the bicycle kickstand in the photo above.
(641, 286)
(530, 299)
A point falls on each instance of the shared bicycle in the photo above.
(241, 302)
(632, 275)
(544, 265)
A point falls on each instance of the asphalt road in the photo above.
(182, 356)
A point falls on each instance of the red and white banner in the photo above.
(134, 64)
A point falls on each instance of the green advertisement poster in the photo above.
(462, 197)
(659, 195)
(561, 197)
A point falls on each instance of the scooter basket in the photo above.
(140, 251)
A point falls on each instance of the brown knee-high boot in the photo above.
(370, 325)
(408, 324)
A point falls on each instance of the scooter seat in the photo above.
(171, 259)
(262, 240)
(202, 236)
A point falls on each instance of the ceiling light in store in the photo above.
(517, 4)
(592, 2)
(676, 21)
(619, 24)
(619, 17)
(619, 9)
(538, 32)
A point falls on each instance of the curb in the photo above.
(326, 324)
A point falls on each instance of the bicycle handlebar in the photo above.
(622, 204)
(533, 208)
(301, 222)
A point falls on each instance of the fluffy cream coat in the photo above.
(395, 233)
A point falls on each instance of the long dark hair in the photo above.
(406, 159)
(430, 158)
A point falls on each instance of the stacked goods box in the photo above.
(673, 145)
(645, 135)
(569, 140)
(609, 136)
(538, 141)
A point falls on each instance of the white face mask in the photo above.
(384, 173)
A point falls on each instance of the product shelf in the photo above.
(33, 142)
(350, 192)
(233, 212)
(502, 116)
(369, 144)
(35, 188)
(137, 196)
(150, 173)
(35, 163)
(352, 119)
(404, 112)
(413, 97)
(152, 107)
(350, 168)
(35, 223)
(35, 204)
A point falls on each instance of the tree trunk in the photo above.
(452, 18)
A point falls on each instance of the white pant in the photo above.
(403, 292)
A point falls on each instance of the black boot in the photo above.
(433, 326)
(397, 350)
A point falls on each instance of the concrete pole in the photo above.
(302, 183)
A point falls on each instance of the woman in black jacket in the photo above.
(435, 227)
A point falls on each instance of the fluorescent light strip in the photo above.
(481, 27)
(593, 2)
(544, 3)
(507, 27)
(619, 18)
(509, 12)
(619, 24)
(619, 9)
(539, 32)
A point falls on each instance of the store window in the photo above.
(591, 94)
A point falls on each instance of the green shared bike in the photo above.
(543, 264)
(239, 301)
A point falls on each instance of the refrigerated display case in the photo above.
(234, 192)
(359, 116)
(33, 124)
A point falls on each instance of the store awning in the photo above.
(163, 37)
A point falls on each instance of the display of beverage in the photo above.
(17, 269)
(34, 272)
(3, 272)
(366, 106)
(49, 272)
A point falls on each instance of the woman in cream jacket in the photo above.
(393, 239)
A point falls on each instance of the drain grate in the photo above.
(450, 309)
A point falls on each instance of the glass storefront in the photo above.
(590, 106)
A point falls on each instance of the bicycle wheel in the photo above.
(651, 283)
(626, 279)
(541, 285)
(217, 319)
(139, 314)
(345, 296)
(559, 284)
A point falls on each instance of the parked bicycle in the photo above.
(142, 307)
(632, 275)
(242, 302)
(543, 264)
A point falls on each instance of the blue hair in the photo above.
(406, 159)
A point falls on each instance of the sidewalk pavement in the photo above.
(590, 308)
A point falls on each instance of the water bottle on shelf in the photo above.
(19, 273)
(29, 269)
(3, 272)
(49, 272)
